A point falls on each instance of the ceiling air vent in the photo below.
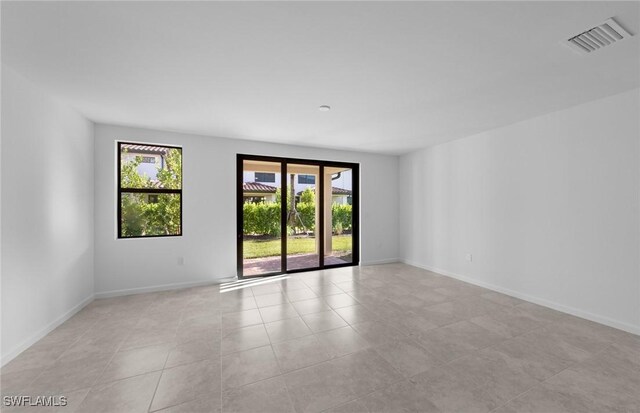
(598, 37)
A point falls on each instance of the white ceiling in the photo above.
(398, 76)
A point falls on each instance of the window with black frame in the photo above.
(306, 179)
(149, 193)
(265, 177)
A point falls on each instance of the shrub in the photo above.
(307, 212)
(341, 215)
(308, 196)
(261, 219)
(264, 218)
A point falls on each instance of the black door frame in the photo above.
(355, 216)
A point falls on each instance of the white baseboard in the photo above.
(155, 288)
(536, 300)
(13, 353)
(379, 262)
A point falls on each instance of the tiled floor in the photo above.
(389, 338)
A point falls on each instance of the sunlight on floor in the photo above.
(240, 284)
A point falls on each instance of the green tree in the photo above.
(279, 197)
(308, 196)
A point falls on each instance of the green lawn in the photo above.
(270, 248)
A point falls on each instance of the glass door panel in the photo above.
(261, 218)
(303, 212)
(338, 215)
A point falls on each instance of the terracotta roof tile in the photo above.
(334, 190)
(258, 188)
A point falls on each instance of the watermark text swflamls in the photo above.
(34, 401)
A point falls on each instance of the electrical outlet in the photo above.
(180, 260)
(468, 257)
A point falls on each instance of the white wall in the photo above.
(549, 209)
(47, 213)
(209, 210)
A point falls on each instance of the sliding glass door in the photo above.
(338, 223)
(295, 215)
(261, 216)
(303, 246)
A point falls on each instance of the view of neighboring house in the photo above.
(256, 192)
(152, 158)
(261, 186)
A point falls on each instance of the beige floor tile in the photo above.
(412, 324)
(502, 299)
(457, 340)
(408, 302)
(508, 324)
(291, 284)
(545, 398)
(196, 350)
(347, 286)
(354, 406)
(621, 356)
(14, 382)
(244, 338)
(203, 322)
(399, 397)
(311, 306)
(301, 295)
(149, 337)
(542, 313)
(406, 356)
(229, 304)
(201, 310)
(610, 386)
(356, 314)
(287, 329)
(367, 371)
(342, 341)
(188, 382)
(451, 391)
(377, 333)
(70, 375)
(278, 312)
(128, 395)
(244, 367)
(340, 300)
(442, 314)
(540, 358)
(205, 404)
(36, 357)
(319, 387)
(135, 362)
(240, 319)
(190, 333)
(268, 300)
(579, 334)
(300, 352)
(265, 289)
(267, 396)
(326, 290)
(326, 320)
(500, 379)
(429, 296)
